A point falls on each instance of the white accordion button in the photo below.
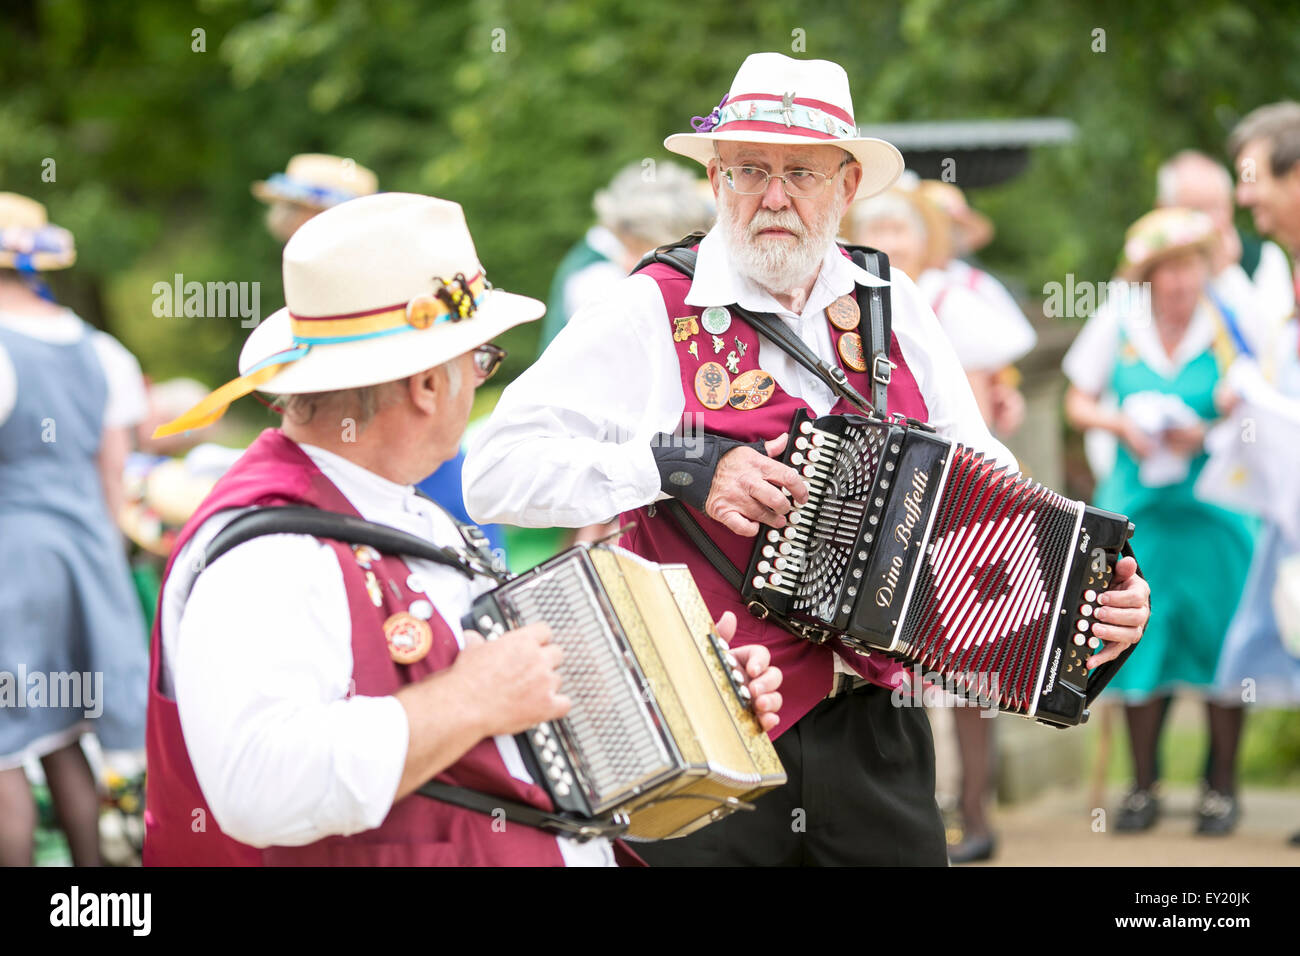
(1090, 596)
(1086, 610)
(1078, 639)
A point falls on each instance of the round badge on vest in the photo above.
(751, 389)
(851, 351)
(409, 638)
(844, 313)
(716, 320)
(712, 385)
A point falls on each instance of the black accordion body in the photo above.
(917, 547)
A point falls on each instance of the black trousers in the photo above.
(860, 793)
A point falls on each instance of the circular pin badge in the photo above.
(365, 555)
(751, 389)
(421, 609)
(712, 386)
(844, 313)
(716, 320)
(416, 583)
(851, 351)
(422, 311)
(409, 638)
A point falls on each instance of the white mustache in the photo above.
(785, 219)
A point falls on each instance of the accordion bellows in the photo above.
(660, 728)
(921, 549)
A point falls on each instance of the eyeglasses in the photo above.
(803, 183)
(487, 359)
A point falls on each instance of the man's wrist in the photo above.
(686, 468)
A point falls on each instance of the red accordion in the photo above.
(916, 547)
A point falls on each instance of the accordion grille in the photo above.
(838, 506)
(611, 729)
(982, 607)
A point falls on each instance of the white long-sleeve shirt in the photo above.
(568, 444)
(257, 652)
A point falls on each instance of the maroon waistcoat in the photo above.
(807, 668)
(179, 827)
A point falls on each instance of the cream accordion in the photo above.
(916, 547)
(661, 730)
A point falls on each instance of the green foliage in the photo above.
(521, 111)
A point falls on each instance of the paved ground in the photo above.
(1057, 829)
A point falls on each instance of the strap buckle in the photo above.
(882, 368)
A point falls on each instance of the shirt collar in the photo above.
(1141, 328)
(367, 491)
(717, 281)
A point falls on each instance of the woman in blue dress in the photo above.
(73, 652)
(1158, 355)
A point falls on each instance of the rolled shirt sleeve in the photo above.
(568, 444)
(262, 668)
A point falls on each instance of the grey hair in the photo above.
(1170, 173)
(1279, 124)
(885, 206)
(659, 203)
(359, 404)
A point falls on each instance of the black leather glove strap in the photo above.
(686, 466)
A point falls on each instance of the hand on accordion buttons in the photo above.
(1124, 613)
(749, 489)
(513, 678)
(761, 677)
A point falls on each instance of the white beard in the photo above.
(777, 266)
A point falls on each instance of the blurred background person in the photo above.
(642, 208)
(969, 231)
(917, 234)
(69, 396)
(1265, 149)
(924, 227)
(1159, 358)
(310, 184)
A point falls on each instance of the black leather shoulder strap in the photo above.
(878, 309)
(681, 257)
(293, 519)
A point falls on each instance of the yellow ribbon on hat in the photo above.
(456, 299)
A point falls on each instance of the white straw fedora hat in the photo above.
(778, 99)
(377, 289)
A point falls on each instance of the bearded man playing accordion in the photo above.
(596, 428)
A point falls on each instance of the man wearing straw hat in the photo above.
(580, 437)
(310, 184)
(303, 688)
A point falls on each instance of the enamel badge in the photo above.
(409, 638)
(712, 385)
(374, 590)
(851, 351)
(684, 328)
(365, 555)
(751, 390)
(716, 320)
(844, 313)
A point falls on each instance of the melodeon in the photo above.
(919, 548)
(661, 727)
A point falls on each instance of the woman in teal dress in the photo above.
(1158, 355)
